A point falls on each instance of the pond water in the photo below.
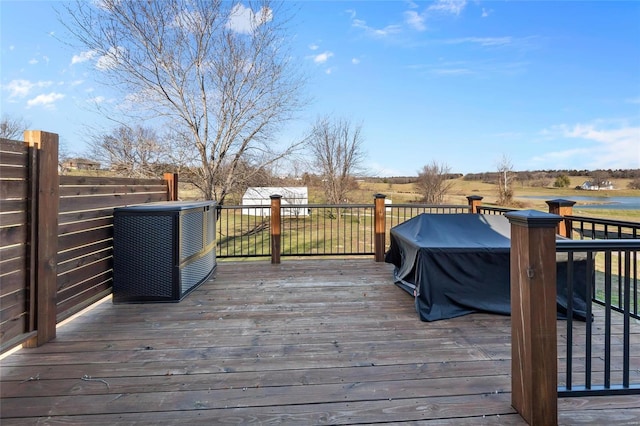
(595, 202)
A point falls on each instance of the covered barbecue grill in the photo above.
(457, 264)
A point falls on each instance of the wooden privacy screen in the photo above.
(85, 232)
(56, 236)
(16, 299)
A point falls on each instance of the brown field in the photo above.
(406, 193)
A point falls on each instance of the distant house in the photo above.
(594, 186)
(261, 196)
(80, 164)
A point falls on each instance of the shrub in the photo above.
(635, 184)
(562, 181)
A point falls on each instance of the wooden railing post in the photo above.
(275, 228)
(380, 222)
(172, 186)
(534, 359)
(563, 208)
(47, 184)
(475, 201)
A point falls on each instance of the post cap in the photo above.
(533, 219)
(379, 196)
(560, 202)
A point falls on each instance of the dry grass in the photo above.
(461, 189)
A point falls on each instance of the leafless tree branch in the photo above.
(217, 72)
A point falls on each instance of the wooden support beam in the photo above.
(275, 228)
(534, 361)
(172, 186)
(46, 233)
(380, 220)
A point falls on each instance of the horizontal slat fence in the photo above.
(85, 234)
(16, 298)
(56, 236)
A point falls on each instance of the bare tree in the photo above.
(505, 181)
(336, 147)
(433, 182)
(130, 151)
(12, 128)
(218, 71)
(600, 178)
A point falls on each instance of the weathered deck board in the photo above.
(304, 342)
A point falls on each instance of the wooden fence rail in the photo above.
(56, 236)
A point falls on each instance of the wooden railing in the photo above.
(56, 236)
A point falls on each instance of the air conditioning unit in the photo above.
(162, 251)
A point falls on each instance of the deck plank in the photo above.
(303, 342)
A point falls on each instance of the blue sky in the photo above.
(548, 84)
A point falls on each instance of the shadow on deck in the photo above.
(303, 342)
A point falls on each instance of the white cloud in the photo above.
(355, 61)
(375, 32)
(12, 47)
(243, 20)
(97, 100)
(329, 70)
(76, 83)
(380, 170)
(452, 71)
(486, 12)
(314, 46)
(322, 57)
(448, 6)
(45, 100)
(22, 88)
(110, 60)
(33, 61)
(482, 41)
(83, 57)
(605, 145)
(415, 20)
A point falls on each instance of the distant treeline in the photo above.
(524, 176)
(406, 179)
(552, 174)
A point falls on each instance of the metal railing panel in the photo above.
(243, 231)
(328, 230)
(598, 352)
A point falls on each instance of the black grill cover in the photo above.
(457, 264)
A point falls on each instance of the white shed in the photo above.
(261, 196)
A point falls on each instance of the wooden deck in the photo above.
(304, 342)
